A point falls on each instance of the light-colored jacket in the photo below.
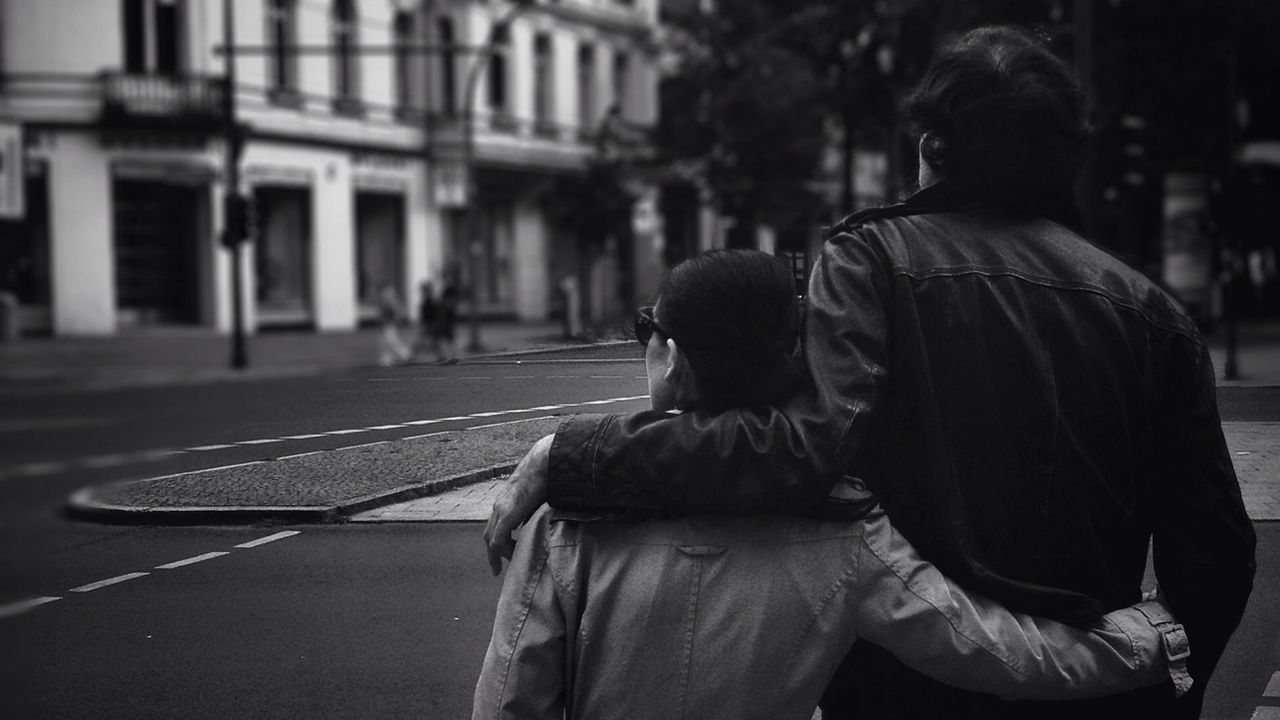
(749, 617)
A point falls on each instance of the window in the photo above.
(586, 88)
(153, 36)
(621, 82)
(448, 67)
(498, 76)
(282, 34)
(402, 27)
(346, 76)
(543, 89)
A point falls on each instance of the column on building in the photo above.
(82, 262)
(334, 262)
(531, 266)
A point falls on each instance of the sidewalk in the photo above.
(1257, 354)
(179, 355)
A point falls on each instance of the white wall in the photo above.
(82, 257)
(61, 36)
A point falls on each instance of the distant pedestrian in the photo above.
(446, 317)
(392, 348)
(428, 309)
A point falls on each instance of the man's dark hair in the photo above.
(734, 315)
(1005, 121)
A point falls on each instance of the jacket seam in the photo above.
(597, 439)
(1044, 282)
(526, 605)
(799, 641)
(950, 621)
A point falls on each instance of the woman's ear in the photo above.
(679, 376)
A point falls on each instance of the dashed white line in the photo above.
(191, 560)
(510, 422)
(384, 427)
(1273, 687)
(109, 581)
(1265, 712)
(308, 436)
(24, 605)
(203, 448)
(348, 431)
(262, 441)
(606, 377)
(270, 538)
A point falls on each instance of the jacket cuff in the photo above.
(571, 483)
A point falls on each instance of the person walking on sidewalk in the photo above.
(446, 319)
(1031, 412)
(749, 617)
(392, 348)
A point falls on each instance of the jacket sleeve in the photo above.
(785, 456)
(1203, 541)
(908, 607)
(524, 672)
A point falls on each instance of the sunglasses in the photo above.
(646, 325)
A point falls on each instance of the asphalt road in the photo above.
(333, 621)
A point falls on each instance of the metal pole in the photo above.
(1231, 369)
(470, 217)
(231, 186)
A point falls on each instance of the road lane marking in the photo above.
(1265, 712)
(1273, 687)
(191, 560)
(49, 468)
(109, 581)
(270, 538)
(22, 606)
(606, 377)
(510, 422)
(427, 435)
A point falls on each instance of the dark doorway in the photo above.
(379, 248)
(282, 256)
(157, 279)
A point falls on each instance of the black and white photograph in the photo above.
(640, 359)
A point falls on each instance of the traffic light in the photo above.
(241, 219)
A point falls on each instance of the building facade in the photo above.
(365, 167)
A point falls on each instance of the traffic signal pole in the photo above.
(232, 204)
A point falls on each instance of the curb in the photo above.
(82, 505)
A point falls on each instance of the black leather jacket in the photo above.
(1030, 410)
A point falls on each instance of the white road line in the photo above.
(1273, 687)
(203, 448)
(427, 435)
(438, 420)
(348, 431)
(191, 560)
(38, 468)
(606, 377)
(383, 427)
(157, 454)
(20, 607)
(109, 581)
(1265, 712)
(299, 455)
(489, 414)
(303, 437)
(263, 441)
(270, 538)
(104, 461)
(509, 422)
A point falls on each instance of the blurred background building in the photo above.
(364, 165)
(542, 149)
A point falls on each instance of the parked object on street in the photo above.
(9, 320)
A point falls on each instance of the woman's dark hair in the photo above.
(1005, 121)
(734, 315)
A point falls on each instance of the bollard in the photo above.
(8, 317)
(572, 307)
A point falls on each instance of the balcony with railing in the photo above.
(193, 102)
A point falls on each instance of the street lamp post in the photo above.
(233, 205)
(470, 216)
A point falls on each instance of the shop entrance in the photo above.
(282, 256)
(379, 249)
(156, 240)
